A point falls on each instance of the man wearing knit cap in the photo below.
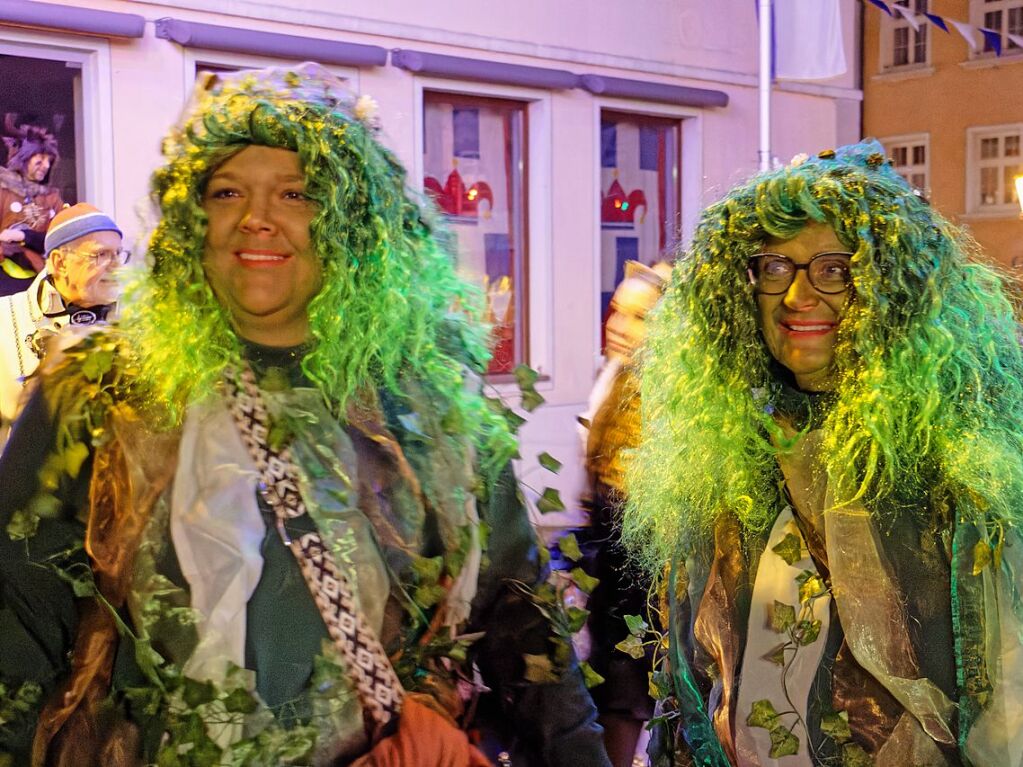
(78, 286)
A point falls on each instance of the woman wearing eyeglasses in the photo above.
(832, 469)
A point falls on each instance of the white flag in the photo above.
(808, 40)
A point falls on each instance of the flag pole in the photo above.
(766, 39)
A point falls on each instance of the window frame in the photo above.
(690, 153)
(890, 25)
(538, 340)
(94, 142)
(978, 10)
(974, 136)
(908, 141)
(195, 58)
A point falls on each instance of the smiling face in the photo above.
(799, 325)
(258, 256)
(37, 167)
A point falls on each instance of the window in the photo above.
(475, 167)
(910, 158)
(1002, 16)
(995, 159)
(639, 207)
(907, 46)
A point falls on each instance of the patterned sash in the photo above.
(379, 690)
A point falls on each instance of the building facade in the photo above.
(558, 139)
(950, 111)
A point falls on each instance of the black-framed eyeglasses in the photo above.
(120, 257)
(772, 273)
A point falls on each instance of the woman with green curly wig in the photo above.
(832, 471)
(247, 524)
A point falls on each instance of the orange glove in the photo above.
(424, 739)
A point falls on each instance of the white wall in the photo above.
(683, 42)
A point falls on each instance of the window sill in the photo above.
(907, 72)
(990, 61)
(1001, 214)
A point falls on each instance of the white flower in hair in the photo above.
(798, 159)
(366, 109)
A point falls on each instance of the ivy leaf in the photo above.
(74, 456)
(24, 523)
(777, 655)
(239, 701)
(590, 677)
(783, 617)
(789, 548)
(525, 376)
(982, 554)
(658, 685)
(550, 501)
(531, 400)
(195, 693)
(783, 743)
(97, 364)
(836, 726)
(808, 631)
(811, 588)
(637, 626)
(583, 580)
(854, 756)
(539, 669)
(544, 555)
(570, 548)
(762, 714)
(576, 618)
(549, 462)
(427, 569)
(632, 647)
(429, 595)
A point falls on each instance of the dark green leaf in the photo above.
(659, 685)
(240, 701)
(24, 523)
(783, 743)
(550, 501)
(584, 581)
(777, 655)
(427, 569)
(570, 548)
(836, 726)
(789, 548)
(632, 647)
(762, 714)
(525, 376)
(808, 631)
(549, 462)
(195, 693)
(783, 617)
(576, 618)
(636, 625)
(531, 400)
(854, 756)
(429, 595)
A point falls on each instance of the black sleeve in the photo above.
(555, 720)
(37, 610)
(35, 240)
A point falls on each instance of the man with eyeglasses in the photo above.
(78, 287)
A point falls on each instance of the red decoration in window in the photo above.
(619, 209)
(455, 199)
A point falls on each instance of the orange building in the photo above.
(951, 116)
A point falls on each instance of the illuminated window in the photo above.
(995, 159)
(639, 186)
(475, 168)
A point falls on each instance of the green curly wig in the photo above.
(391, 308)
(928, 408)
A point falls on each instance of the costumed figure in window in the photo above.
(248, 522)
(832, 468)
(27, 203)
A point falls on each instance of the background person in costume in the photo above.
(611, 427)
(285, 483)
(27, 203)
(78, 286)
(832, 462)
